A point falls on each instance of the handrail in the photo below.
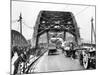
(34, 62)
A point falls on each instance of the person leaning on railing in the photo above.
(22, 57)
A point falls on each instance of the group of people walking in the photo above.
(23, 54)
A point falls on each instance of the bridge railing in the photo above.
(25, 67)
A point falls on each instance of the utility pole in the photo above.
(91, 31)
(20, 21)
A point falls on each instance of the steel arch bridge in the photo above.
(55, 21)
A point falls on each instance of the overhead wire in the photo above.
(15, 21)
(82, 10)
(27, 25)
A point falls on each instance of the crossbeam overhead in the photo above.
(56, 21)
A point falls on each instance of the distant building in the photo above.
(17, 39)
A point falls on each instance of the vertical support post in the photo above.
(37, 40)
(77, 35)
(64, 35)
(48, 38)
(91, 31)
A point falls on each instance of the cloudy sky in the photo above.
(30, 11)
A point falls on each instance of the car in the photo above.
(92, 58)
(52, 52)
(88, 57)
(52, 49)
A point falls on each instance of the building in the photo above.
(17, 39)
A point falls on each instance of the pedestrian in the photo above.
(16, 65)
(21, 58)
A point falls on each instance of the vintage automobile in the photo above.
(92, 58)
(68, 50)
(52, 49)
(88, 57)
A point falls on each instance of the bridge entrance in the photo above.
(54, 24)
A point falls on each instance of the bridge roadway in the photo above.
(49, 63)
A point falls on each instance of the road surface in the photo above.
(54, 63)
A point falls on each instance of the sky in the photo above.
(30, 11)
